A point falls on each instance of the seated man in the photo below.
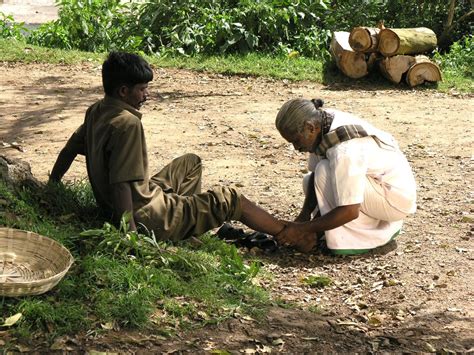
(169, 203)
(361, 185)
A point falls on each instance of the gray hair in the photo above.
(295, 113)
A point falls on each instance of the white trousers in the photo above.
(377, 223)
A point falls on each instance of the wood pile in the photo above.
(397, 52)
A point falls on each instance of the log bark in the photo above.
(423, 70)
(364, 39)
(406, 41)
(394, 67)
(351, 63)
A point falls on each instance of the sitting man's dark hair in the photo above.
(121, 68)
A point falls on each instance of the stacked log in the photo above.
(396, 52)
(352, 63)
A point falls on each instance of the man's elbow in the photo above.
(352, 212)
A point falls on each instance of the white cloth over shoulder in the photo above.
(364, 171)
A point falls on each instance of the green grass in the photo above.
(253, 64)
(455, 81)
(316, 281)
(295, 68)
(121, 279)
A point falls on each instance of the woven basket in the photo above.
(30, 264)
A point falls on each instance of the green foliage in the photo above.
(11, 29)
(220, 26)
(317, 281)
(92, 25)
(343, 15)
(427, 13)
(457, 66)
(459, 59)
(230, 26)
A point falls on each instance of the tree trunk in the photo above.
(353, 64)
(423, 70)
(394, 67)
(406, 41)
(364, 39)
(445, 39)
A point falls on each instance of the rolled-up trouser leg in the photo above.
(182, 175)
(174, 217)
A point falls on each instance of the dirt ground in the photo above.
(418, 298)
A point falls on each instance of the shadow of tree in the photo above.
(37, 114)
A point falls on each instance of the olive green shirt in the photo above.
(113, 141)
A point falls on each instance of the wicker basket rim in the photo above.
(45, 280)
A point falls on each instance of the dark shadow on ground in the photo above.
(36, 115)
(334, 79)
(178, 95)
(282, 330)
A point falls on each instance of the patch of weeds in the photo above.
(279, 302)
(315, 309)
(316, 281)
(50, 315)
(124, 278)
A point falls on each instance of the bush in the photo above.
(232, 26)
(459, 59)
(92, 25)
(11, 29)
(225, 26)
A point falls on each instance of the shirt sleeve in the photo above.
(349, 164)
(77, 141)
(126, 147)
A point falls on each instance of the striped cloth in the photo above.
(342, 134)
(339, 135)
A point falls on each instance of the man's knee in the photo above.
(192, 158)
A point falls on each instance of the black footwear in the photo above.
(238, 237)
(228, 232)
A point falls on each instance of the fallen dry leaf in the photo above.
(12, 320)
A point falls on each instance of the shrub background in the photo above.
(233, 26)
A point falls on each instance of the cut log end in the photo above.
(389, 42)
(364, 39)
(423, 71)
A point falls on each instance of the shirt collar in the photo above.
(109, 100)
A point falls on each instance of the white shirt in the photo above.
(355, 160)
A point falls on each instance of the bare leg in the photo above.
(258, 219)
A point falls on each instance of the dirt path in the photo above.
(417, 298)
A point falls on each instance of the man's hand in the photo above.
(293, 235)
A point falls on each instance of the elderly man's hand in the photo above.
(293, 235)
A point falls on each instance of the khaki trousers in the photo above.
(179, 209)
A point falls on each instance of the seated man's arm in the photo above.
(73, 147)
(122, 200)
(63, 162)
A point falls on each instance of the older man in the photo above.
(361, 185)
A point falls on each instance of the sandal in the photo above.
(238, 237)
(228, 232)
